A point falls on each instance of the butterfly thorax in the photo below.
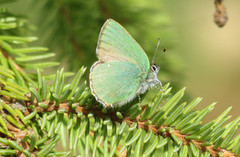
(151, 80)
(122, 71)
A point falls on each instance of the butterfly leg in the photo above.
(139, 98)
(159, 86)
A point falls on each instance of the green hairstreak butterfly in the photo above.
(122, 71)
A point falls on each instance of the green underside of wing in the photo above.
(115, 82)
(115, 40)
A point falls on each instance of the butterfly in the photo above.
(122, 71)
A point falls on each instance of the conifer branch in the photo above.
(34, 115)
(135, 117)
(162, 130)
(6, 55)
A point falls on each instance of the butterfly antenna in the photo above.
(158, 43)
(164, 50)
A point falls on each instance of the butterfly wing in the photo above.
(116, 44)
(115, 82)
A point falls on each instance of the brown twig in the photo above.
(6, 55)
(140, 124)
(18, 134)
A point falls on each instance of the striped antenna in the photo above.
(158, 43)
(164, 50)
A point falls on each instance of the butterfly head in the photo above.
(155, 68)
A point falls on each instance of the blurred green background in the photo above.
(211, 54)
(200, 56)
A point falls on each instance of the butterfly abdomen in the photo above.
(122, 70)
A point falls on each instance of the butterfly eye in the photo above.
(153, 67)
